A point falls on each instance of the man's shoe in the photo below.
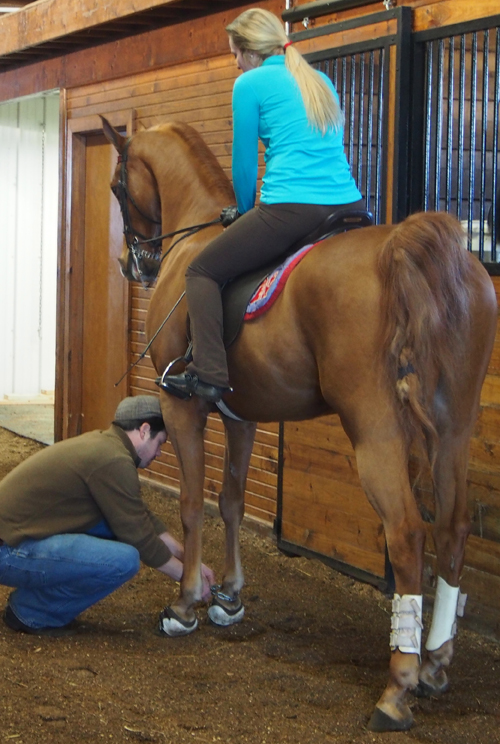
(13, 622)
(186, 385)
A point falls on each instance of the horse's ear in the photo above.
(111, 134)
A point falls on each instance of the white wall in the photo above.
(29, 157)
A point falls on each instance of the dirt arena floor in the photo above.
(306, 665)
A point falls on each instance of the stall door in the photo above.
(94, 295)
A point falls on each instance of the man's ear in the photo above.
(144, 429)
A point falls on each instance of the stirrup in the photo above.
(163, 383)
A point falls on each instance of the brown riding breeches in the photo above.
(255, 239)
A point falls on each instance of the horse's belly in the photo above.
(273, 373)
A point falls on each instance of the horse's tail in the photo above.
(424, 269)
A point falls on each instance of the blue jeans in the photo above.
(59, 577)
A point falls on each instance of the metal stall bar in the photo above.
(429, 109)
(438, 141)
(369, 131)
(461, 129)
(351, 116)
(472, 136)
(495, 209)
(402, 117)
(451, 97)
(361, 117)
(484, 134)
(377, 212)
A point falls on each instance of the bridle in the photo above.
(144, 265)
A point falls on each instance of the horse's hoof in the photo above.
(221, 615)
(423, 690)
(172, 625)
(380, 722)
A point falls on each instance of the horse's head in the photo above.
(135, 187)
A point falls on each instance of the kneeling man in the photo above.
(73, 525)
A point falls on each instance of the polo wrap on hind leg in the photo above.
(406, 623)
(449, 603)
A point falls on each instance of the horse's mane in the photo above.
(208, 167)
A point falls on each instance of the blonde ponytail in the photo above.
(258, 30)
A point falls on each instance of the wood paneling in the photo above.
(350, 36)
(56, 19)
(447, 12)
(324, 507)
(199, 38)
(427, 13)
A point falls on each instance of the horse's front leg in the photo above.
(186, 425)
(227, 608)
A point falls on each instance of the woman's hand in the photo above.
(229, 215)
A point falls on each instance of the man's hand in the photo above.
(208, 578)
(174, 567)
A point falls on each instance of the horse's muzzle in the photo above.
(141, 268)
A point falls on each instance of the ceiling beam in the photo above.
(47, 20)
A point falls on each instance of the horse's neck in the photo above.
(186, 197)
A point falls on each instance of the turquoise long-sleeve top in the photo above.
(303, 165)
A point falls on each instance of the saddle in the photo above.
(236, 293)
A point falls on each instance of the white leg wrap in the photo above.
(446, 607)
(462, 601)
(406, 623)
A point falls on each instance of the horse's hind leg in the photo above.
(382, 459)
(226, 608)
(451, 529)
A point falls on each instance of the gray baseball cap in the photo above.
(138, 407)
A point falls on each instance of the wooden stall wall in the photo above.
(198, 93)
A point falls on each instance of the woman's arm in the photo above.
(245, 144)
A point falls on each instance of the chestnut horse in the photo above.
(390, 327)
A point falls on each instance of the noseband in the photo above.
(144, 265)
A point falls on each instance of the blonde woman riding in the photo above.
(294, 110)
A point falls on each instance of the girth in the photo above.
(237, 293)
